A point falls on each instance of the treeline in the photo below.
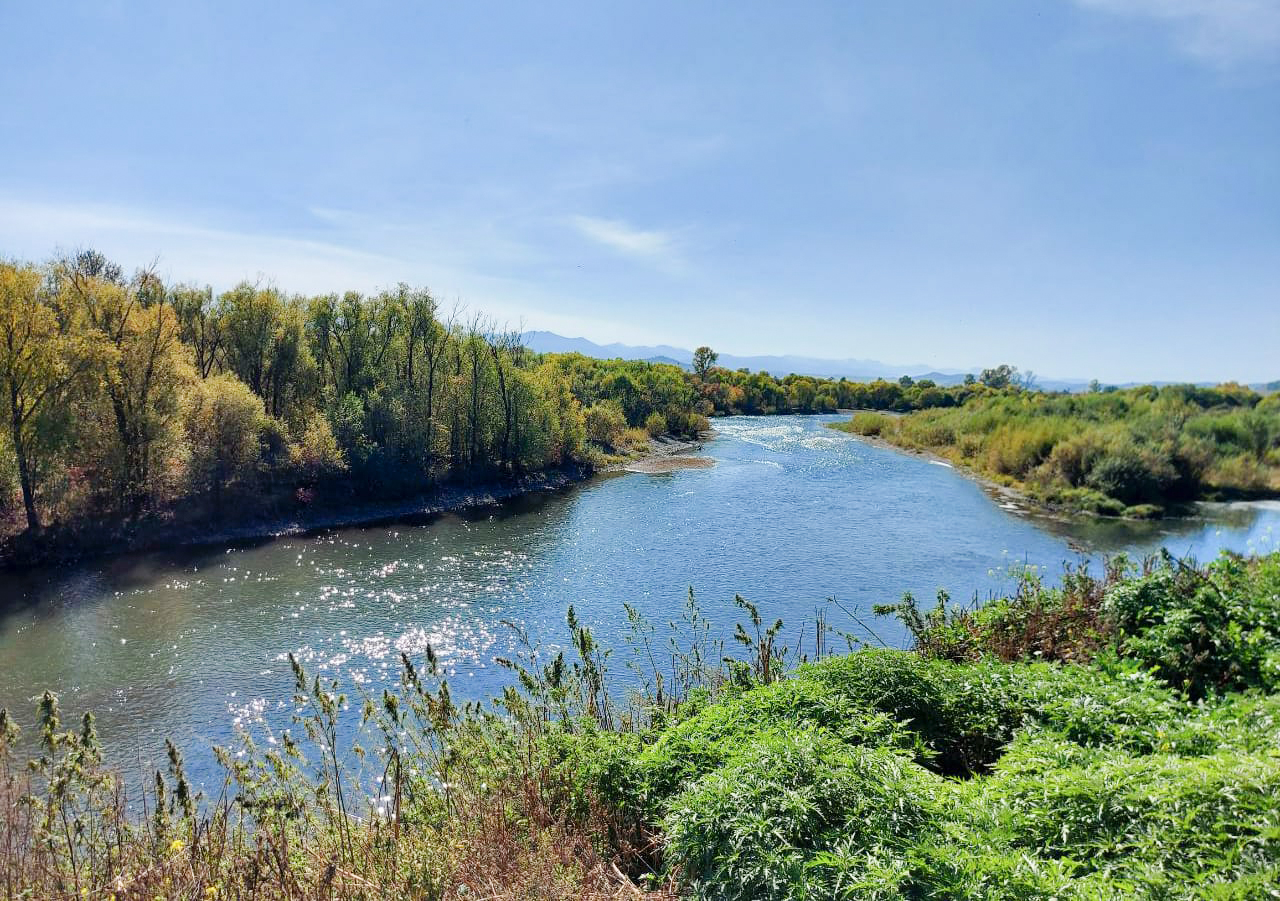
(124, 395)
(127, 397)
(725, 392)
(627, 401)
(1135, 451)
(732, 392)
(640, 392)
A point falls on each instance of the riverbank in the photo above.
(1138, 454)
(264, 519)
(1004, 496)
(57, 545)
(666, 453)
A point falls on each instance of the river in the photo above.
(192, 644)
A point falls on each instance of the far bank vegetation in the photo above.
(1138, 452)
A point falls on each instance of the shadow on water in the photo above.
(96, 579)
(57, 588)
(1179, 534)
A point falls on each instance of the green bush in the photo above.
(1129, 476)
(771, 822)
(1203, 631)
(1165, 825)
(873, 424)
(962, 715)
(1128, 710)
(1016, 449)
(690, 425)
(605, 422)
(690, 749)
(317, 455)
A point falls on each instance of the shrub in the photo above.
(1072, 460)
(1167, 825)
(765, 825)
(1202, 631)
(224, 419)
(928, 433)
(1034, 622)
(1016, 449)
(1126, 475)
(690, 425)
(634, 440)
(605, 423)
(317, 455)
(689, 750)
(1093, 709)
(873, 424)
(1240, 474)
(960, 714)
(655, 424)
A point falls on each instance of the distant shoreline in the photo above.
(1003, 496)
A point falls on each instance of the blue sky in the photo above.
(1085, 188)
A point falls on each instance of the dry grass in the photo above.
(425, 801)
(280, 829)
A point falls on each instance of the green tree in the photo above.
(141, 372)
(43, 355)
(264, 342)
(999, 377)
(249, 318)
(199, 327)
(704, 358)
(223, 419)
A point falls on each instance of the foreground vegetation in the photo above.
(1118, 737)
(1134, 452)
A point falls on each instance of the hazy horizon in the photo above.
(1082, 188)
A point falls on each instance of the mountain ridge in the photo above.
(857, 370)
(775, 364)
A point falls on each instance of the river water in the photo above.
(193, 644)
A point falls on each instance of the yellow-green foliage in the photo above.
(869, 423)
(1109, 452)
(605, 422)
(127, 399)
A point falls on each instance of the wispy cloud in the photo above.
(652, 244)
(185, 250)
(1221, 32)
(186, 247)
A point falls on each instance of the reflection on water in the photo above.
(1239, 526)
(191, 644)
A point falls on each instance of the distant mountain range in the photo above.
(852, 369)
(857, 370)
